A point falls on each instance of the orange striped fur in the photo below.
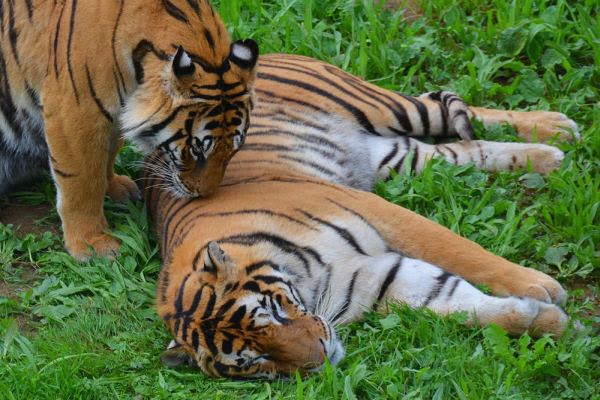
(256, 278)
(75, 74)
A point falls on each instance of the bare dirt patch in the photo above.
(27, 278)
(589, 295)
(26, 218)
(412, 8)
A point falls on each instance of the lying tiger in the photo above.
(255, 278)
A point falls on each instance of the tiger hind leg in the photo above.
(120, 187)
(420, 284)
(532, 126)
(388, 154)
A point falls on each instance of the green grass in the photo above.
(73, 330)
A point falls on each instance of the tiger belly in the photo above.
(23, 148)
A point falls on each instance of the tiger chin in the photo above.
(77, 76)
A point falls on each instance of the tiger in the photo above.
(255, 279)
(76, 78)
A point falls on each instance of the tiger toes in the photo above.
(121, 188)
(100, 245)
(528, 282)
(545, 159)
(549, 319)
(546, 125)
(535, 317)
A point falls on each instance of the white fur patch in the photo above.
(185, 61)
(242, 52)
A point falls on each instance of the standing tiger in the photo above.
(255, 279)
(72, 71)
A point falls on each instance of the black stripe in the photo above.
(209, 39)
(349, 293)
(174, 11)
(278, 66)
(258, 265)
(227, 343)
(251, 239)
(168, 219)
(164, 284)
(62, 10)
(69, 42)
(454, 286)
(355, 213)
(139, 53)
(195, 6)
(195, 340)
(13, 35)
(358, 114)
(437, 288)
(253, 212)
(313, 139)
(344, 233)
(154, 129)
(389, 279)
(33, 96)
(195, 302)
(415, 159)
(7, 106)
(389, 156)
(179, 299)
(310, 164)
(238, 315)
(29, 9)
(220, 85)
(392, 104)
(210, 306)
(208, 330)
(444, 116)
(224, 308)
(454, 155)
(63, 174)
(118, 87)
(422, 112)
(114, 50)
(95, 96)
(252, 287)
(289, 100)
(1, 16)
(270, 279)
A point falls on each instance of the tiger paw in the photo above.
(101, 245)
(121, 188)
(528, 282)
(550, 319)
(545, 159)
(546, 125)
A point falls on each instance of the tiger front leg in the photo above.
(417, 237)
(420, 284)
(79, 148)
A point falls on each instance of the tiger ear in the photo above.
(182, 63)
(244, 53)
(216, 260)
(176, 356)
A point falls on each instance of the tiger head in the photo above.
(191, 113)
(245, 323)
